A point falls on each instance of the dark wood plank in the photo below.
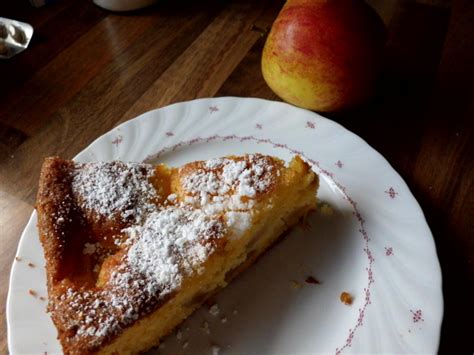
(247, 78)
(208, 61)
(444, 175)
(73, 68)
(100, 103)
(36, 16)
(10, 139)
(55, 30)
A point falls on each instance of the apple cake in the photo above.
(133, 249)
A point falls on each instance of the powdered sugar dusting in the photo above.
(214, 163)
(240, 176)
(238, 221)
(228, 184)
(172, 242)
(115, 189)
(101, 313)
(163, 243)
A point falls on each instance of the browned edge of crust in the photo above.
(54, 201)
(60, 227)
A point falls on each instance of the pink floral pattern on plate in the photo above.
(213, 109)
(391, 192)
(346, 196)
(417, 316)
(117, 140)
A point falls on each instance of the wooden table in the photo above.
(88, 70)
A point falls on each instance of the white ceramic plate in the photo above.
(376, 245)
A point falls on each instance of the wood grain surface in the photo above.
(87, 70)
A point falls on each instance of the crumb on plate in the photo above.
(205, 327)
(346, 298)
(325, 209)
(214, 310)
(312, 280)
(296, 285)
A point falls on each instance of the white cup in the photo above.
(123, 5)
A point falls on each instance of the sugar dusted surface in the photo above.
(172, 242)
(115, 189)
(163, 243)
(227, 184)
(241, 177)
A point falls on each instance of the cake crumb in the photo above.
(32, 292)
(214, 310)
(224, 320)
(346, 298)
(215, 350)
(312, 280)
(234, 312)
(296, 285)
(31, 265)
(185, 345)
(325, 209)
(17, 258)
(179, 335)
(205, 327)
(42, 298)
(96, 269)
(89, 249)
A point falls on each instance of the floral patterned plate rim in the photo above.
(370, 239)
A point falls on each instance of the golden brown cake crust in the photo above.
(65, 229)
(98, 223)
(56, 212)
